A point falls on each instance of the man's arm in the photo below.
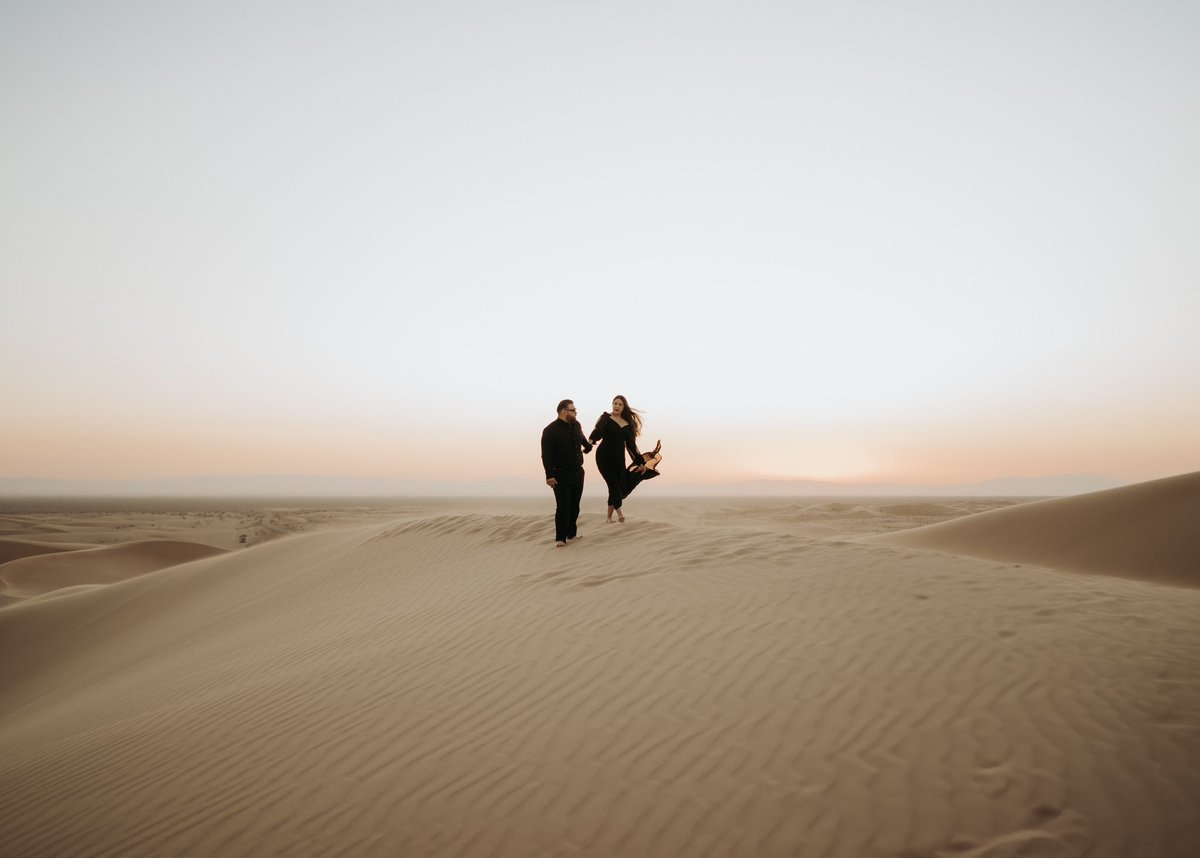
(579, 438)
(547, 454)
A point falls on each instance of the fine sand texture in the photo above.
(711, 678)
(1150, 531)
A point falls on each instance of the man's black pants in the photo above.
(567, 495)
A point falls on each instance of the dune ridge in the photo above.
(15, 549)
(451, 684)
(1149, 531)
(53, 570)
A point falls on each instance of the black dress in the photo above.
(614, 440)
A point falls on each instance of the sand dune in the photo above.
(1149, 531)
(53, 570)
(696, 682)
(24, 525)
(14, 549)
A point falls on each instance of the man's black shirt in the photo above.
(561, 456)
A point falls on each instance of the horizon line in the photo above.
(347, 487)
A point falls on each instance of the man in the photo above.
(563, 464)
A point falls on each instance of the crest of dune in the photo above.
(1149, 531)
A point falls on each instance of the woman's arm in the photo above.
(631, 446)
(598, 432)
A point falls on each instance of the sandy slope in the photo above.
(14, 549)
(1150, 531)
(42, 573)
(702, 682)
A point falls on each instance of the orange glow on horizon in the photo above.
(66, 452)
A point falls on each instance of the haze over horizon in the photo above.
(923, 245)
(314, 487)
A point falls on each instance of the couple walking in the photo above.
(563, 447)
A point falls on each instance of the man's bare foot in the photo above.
(560, 544)
(610, 512)
(621, 517)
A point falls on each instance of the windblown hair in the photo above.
(629, 415)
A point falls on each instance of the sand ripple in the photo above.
(453, 685)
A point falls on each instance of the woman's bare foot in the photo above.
(620, 516)
(610, 512)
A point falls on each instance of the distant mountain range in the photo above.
(334, 486)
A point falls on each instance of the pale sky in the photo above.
(922, 242)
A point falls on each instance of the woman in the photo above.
(617, 432)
